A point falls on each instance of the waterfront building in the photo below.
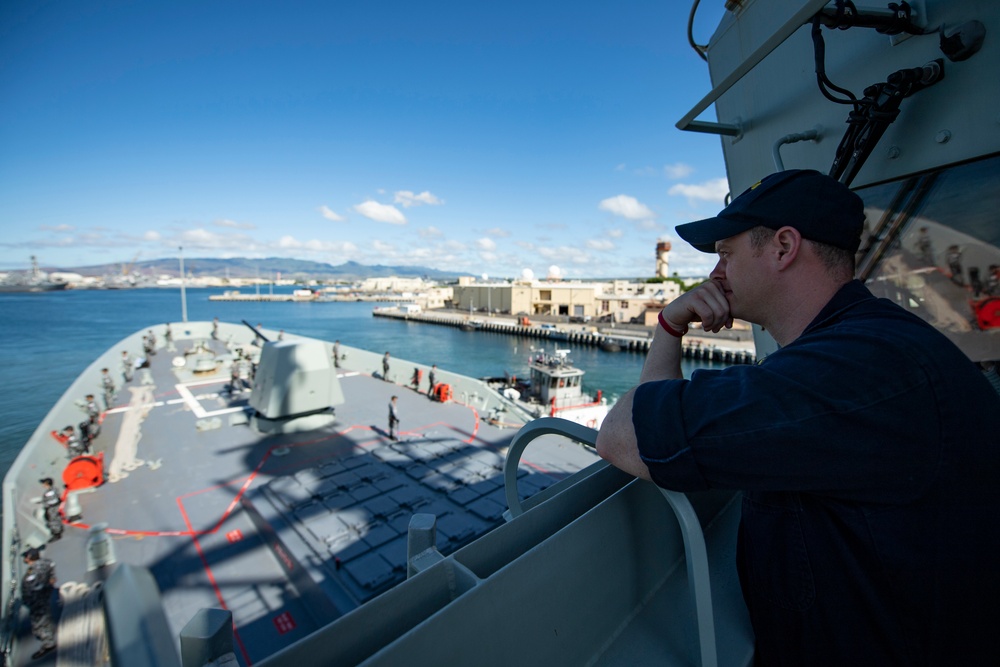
(615, 300)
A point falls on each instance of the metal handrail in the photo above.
(799, 19)
(530, 431)
(695, 550)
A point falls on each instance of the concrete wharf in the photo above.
(701, 345)
(255, 297)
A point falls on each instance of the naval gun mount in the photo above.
(295, 387)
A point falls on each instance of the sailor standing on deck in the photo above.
(385, 367)
(431, 378)
(37, 587)
(108, 385)
(168, 337)
(91, 428)
(51, 502)
(336, 353)
(393, 419)
(128, 365)
(93, 412)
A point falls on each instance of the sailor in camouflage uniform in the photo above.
(37, 586)
(108, 385)
(128, 365)
(93, 416)
(51, 502)
(71, 441)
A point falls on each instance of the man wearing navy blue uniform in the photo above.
(865, 446)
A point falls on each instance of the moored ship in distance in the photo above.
(585, 566)
(34, 280)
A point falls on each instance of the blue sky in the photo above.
(488, 137)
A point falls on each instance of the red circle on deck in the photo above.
(84, 472)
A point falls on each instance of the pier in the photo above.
(302, 295)
(696, 345)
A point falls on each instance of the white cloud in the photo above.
(486, 244)
(408, 199)
(339, 248)
(232, 224)
(677, 171)
(383, 247)
(430, 232)
(616, 233)
(626, 207)
(330, 215)
(151, 235)
(564, 254)
(496, 231)
(381, 212)
(600, 244)
(714, 190)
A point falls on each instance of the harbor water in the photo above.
(49, 339)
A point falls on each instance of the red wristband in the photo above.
(669, 329)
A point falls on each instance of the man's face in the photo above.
(741, 274)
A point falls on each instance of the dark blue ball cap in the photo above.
(820, 207)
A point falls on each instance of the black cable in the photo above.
(819, 57)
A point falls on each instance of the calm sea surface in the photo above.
(47, 340)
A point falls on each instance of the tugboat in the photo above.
(554, 389)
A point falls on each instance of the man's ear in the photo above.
(787, 242)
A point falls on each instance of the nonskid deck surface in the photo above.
(287, 531)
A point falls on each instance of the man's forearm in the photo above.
(664, 359)
(616, 441)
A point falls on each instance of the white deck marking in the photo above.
(191, 401)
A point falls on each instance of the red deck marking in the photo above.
(211, 580)
(253, 475)
(284, 623)
(234, 535)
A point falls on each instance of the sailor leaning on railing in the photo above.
(865, 445)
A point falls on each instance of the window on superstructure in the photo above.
(931, 245)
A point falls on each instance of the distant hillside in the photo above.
(240, 267)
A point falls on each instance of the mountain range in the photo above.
(241, 267)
